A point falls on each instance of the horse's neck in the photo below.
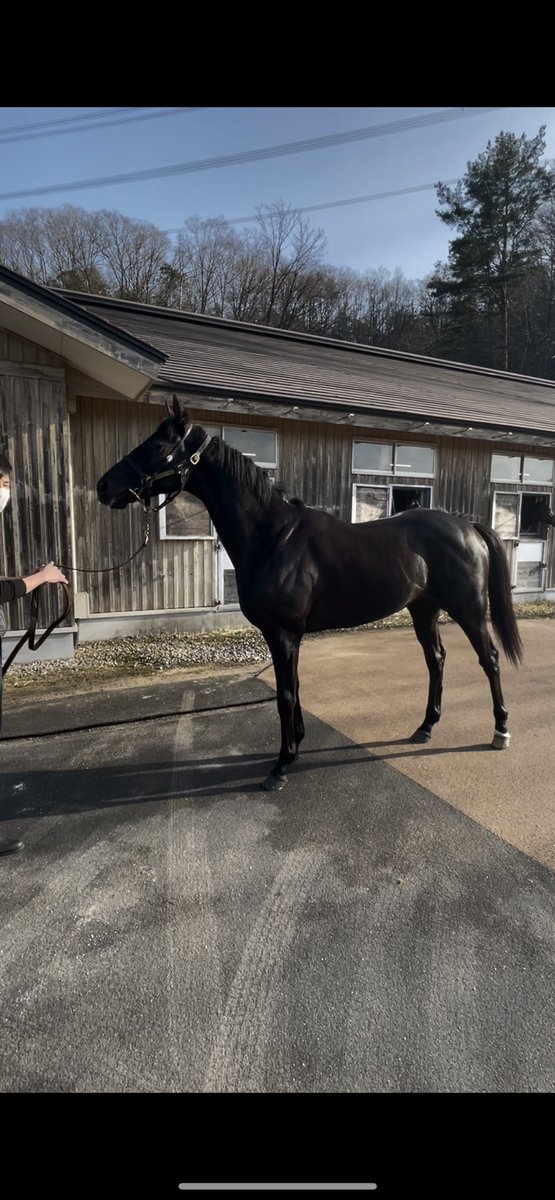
(234, 510)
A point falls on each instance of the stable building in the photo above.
(359, 431)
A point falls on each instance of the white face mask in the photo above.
(4, 497)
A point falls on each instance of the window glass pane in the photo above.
(258, 444)
(185, 517)
(369, 456)
(414, 460)
(531, 523)
(529, 576)
(538, 470)
(505, 467)
(404, 498)
(506, 514)
(371, 503)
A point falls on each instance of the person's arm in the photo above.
(12, 589)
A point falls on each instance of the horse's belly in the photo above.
(348, 610)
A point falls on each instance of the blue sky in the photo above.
(393, 232)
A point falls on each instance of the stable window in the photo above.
(374, 458)
(370, 502)
(186, 518)
(516, 520)
(520, 468)
(258, 444)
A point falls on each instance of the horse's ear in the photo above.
(174, 409)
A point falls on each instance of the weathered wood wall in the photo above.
(34, 433)
(314, 462)
(166, 574)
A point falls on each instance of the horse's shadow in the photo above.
(419, 751)
(191, 781)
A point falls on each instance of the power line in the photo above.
(230, 160)
(420, 187)
(107, 112)
(140, 116)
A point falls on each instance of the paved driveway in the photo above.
(171, 927)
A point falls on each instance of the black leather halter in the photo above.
(181, 471)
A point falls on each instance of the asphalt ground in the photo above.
(170, 927)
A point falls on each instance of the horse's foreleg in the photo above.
(424, 618)
(285, 655)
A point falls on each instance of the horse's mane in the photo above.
(244, 470)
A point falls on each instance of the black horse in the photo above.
(299, 569)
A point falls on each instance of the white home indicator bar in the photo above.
(278, 1187)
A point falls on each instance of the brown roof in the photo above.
(215, 357)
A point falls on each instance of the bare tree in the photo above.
(74, 239)
(204, 255)
(290, 249)
(133, 254)
(25, 245)
(245, 293)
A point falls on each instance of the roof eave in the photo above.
(92, 346)
(360, 409)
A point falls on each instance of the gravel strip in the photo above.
(158, 652)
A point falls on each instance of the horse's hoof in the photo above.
(420, 735)
(500, 740)
(274, 783)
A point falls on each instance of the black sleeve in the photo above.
(11, 589)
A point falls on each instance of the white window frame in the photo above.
(215, 431)
(266, 466)
(183, 537)
(388, 488)
(521, 482)
(394, 471)
(384, 487)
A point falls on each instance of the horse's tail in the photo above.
(501, 608)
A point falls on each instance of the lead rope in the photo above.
(104, 570)
(29, 635)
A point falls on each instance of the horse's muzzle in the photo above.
(104, 493)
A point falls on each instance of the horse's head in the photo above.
(160, 466)
(543, 511)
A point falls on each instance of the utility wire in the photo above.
(421, 187)
(265, 152)
(7, 136)
(106, 112)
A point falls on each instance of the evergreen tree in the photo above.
(493, 208)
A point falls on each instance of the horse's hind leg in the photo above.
(285, 654)
(477, 633)
(424, 615)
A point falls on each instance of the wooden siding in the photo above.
(166, 574)
(34, 433)
(314, 462)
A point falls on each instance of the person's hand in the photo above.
(50, 574)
